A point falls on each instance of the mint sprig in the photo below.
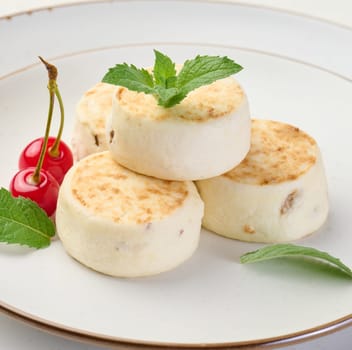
(23, 222)
(168, 87)
(286, 250)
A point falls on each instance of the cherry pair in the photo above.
(45, 161)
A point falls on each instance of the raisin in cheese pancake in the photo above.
(205, 135)
(124, 224)
(92, 110)
(278, 193)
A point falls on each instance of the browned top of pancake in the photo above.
(94, 107)
(211, 101)
(279, 152)
(109, 190)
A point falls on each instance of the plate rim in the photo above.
(223, 2)
(133, 344)
(178, 43)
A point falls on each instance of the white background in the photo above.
(15, 335)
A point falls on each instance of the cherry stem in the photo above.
(52, 87)
(54, 150)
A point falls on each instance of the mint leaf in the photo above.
(164, 70)
(204, 70)
(168, 97)
(23, 222)
(285, 250)
(130, 77)
(167, 87)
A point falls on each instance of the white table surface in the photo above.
(15, 335)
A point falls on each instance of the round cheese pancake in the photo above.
(89, 135)
(205, 135)
(124, 224)
(277, 193)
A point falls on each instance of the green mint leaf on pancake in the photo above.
(164, 71)
(168, 97)
(130, 77)
(168, 87)
(288, 250)
(204, 70)
(23, 222)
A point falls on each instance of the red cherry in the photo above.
(57, 166)
(44, 193)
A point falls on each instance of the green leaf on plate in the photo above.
(286, 250)
(23, 222)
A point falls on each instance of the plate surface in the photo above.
(211, 299)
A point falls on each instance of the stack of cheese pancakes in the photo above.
(134, 203)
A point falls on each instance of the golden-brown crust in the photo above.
(279, 152)
(212, 101)
(95, 105)
(109, 190)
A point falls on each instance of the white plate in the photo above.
(296, 70)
